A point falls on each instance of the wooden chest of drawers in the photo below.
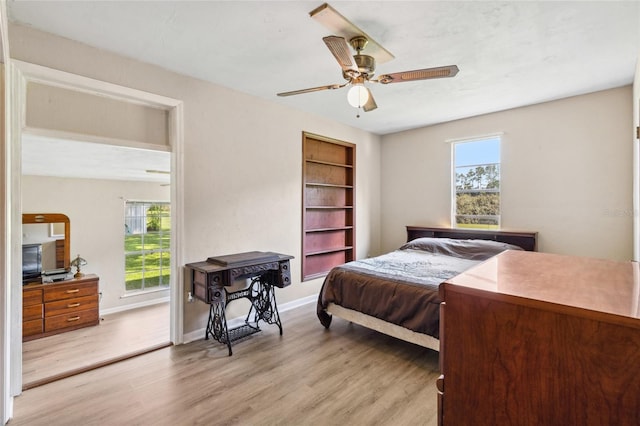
(59, 307)
(541, 339)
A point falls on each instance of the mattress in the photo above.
(401, 287)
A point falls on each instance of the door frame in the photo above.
(22, 73)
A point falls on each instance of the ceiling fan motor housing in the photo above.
(366, 64)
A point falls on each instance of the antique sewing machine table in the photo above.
(210, 278)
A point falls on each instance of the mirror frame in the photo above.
(54, 218)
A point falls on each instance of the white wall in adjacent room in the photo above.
(96, 213)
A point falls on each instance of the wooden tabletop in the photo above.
(598, 288)
(222, 263)
(39, 284)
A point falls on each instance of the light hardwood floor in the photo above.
(116, 336)
(309, 376)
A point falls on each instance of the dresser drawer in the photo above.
(32, 312)
(67, 306)
(69, 291)
(73, 319)
(199, 285)
(32, 297)
(208, 290)
(29, 328)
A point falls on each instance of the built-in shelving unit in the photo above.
(328, 211)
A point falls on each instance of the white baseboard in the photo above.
(199, 334)
(134, 305)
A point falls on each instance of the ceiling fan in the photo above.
(359, 69)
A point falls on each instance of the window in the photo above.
(476, 168)
(147, 245)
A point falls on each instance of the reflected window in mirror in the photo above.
(56, 230)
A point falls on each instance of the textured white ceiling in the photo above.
(510, 54)
(47, 156)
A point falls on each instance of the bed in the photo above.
(397, 293)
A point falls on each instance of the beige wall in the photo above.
(242, 158)
(566, 173)
(96, 212)
(58, 109)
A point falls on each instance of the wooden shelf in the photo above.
(328, 163)
(329, 207)
(337, 249)
(329, 185)
(328, 228)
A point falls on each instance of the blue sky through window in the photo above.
(477, 183)
(480, 151)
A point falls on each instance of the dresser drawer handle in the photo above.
(73, 305)
(75, 290)
(73, 319)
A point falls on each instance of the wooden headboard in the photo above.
(526, 240)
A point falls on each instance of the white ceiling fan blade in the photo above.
(340, 50)
(423, 74)
(339, 25)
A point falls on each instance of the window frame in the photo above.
(164, 265)
(454, 191)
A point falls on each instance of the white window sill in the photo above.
(142, 292)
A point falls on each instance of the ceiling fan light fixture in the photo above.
(359, 68)
(358, 95)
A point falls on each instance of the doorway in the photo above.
(23, 74)
(133, 293)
